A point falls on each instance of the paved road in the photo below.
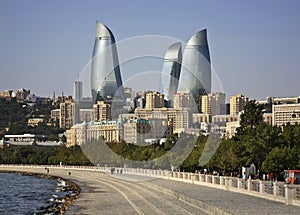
(106, 194)
(129, 194)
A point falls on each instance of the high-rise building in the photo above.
(213, 103)
(102, 111)
(195, 75)
(106, 81)
(182, 100)
(171, 71)
(237, 104)
(69, 113)
(206, 104)
(78, 91)
(154, 99)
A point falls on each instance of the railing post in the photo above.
(261, 187)
(249, 184)
(206, 178)
(213, 179)
(227, 183)
(193, 178)
(275, 189)
(288, 194)
(221, 180)
(239, 183)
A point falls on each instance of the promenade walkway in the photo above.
(103, 193)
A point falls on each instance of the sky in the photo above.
(254, 45)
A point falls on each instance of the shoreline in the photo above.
(100, 191)
(68, 199)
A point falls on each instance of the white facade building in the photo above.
(285, 113)
(86, 132)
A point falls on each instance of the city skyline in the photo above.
(254, 46)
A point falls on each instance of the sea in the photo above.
(23, 194)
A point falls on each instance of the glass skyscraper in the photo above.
(106, 81)
(171, 71)
(195, 76)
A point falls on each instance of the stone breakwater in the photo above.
(57, 205)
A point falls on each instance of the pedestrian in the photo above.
(69, 173)
(245, 176)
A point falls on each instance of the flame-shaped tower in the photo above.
(195, 75)
(171, 71)
(106, 81)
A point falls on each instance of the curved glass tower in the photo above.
(106, 81)
(195, 76)
(171, 71)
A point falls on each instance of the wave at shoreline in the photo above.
(67, 192)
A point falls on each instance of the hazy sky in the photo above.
(254, 45)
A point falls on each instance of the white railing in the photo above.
(276, 191)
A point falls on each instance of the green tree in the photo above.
(254, 147)
(291, 135)
(251, 117)
(227, 158)
(280, 159)
(170, 141)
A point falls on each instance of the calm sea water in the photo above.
(21, 194)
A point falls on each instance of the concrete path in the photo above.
(130, 194)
